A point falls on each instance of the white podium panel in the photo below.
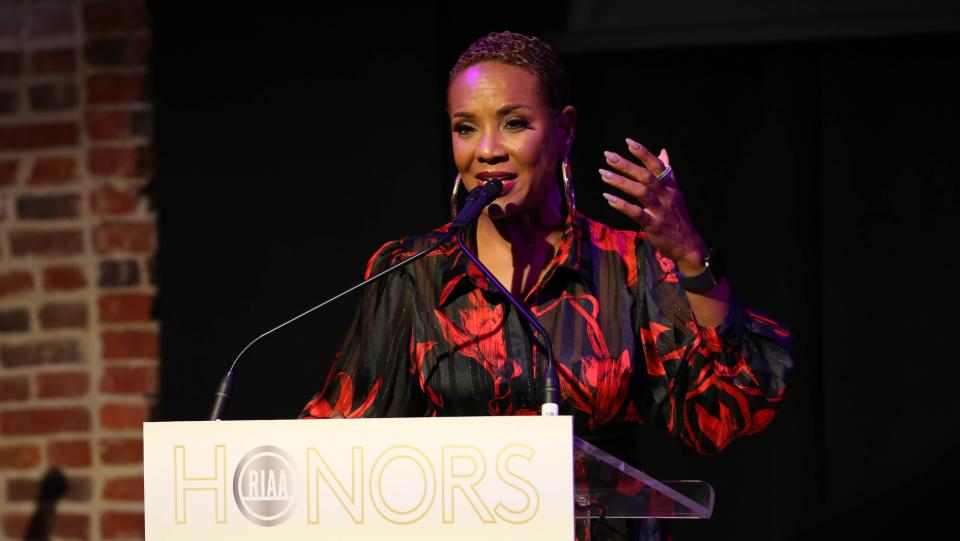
(503, 478)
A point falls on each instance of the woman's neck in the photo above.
(519, 248)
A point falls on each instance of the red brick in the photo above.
(44, 421)
(62, 384)
(118, 273)
(11, 64)
(13, 28)
(137, 237)
(58, 351)
(15, 388)
(15, 525)
(53, 97)
(111, 201)
(22, 490)
(117, 161)
(121, 451)
(14, 320)
(130, 345)
(53, 170)
(124, 87)
(63, 315)
(48, 207)
(53, 61)
(18, 457)
(78, 489)
(129, 380)
(124, 307)
(51, 21)
(112, 16)
(56, 242)
(14, 282)
(107, 124)
(123, 416)
(9, 102)
(124, 488)
(8, 172)
(63, 278)
(72, 526)
(117, 51)
(39, 136)
(121, 525)
(70, 454)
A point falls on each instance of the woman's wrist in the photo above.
(705, 276)
(693, 262)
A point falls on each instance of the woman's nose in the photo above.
(491, 149)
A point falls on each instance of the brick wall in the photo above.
(78, 344)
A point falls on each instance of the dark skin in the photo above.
(502, 126)
(660, 209)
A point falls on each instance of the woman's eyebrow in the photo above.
(509, 108)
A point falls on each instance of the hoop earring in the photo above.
(453, 197)
(568, 186)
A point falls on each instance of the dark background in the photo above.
(814, 145)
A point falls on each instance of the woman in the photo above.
(642, 324)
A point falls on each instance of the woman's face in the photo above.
(503, 128)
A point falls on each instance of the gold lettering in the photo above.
(183, 484)
(465, 481)
(415, 513)
(524, 486)
(317, 469)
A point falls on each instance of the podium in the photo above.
(609, 488)
(434, 478)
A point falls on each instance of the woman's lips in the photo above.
(507, 185)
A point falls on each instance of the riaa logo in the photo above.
(264, 485)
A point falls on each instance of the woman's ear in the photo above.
(567, 126)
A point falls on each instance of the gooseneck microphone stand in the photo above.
(550, 399)
(476, 200)
(223, 391)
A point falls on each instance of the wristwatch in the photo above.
(711, 275)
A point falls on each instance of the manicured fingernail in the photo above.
(607, 175)
(611, 198)
(633, 144)
(612, 157)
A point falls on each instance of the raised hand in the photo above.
(655, 202)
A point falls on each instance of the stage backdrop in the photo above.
(290, 146)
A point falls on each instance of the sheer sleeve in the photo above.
(371, 376)
(707, 385)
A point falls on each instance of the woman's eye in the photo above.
(462, 129)
(517, 123)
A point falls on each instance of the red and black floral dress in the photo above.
(435, 338)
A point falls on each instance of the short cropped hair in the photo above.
(527, 52)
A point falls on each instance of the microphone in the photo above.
(223, 391)
(476, 200)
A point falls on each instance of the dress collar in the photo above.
(461, 272)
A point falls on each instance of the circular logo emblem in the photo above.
(264, 485)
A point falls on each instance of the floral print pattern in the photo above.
(435, 338)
